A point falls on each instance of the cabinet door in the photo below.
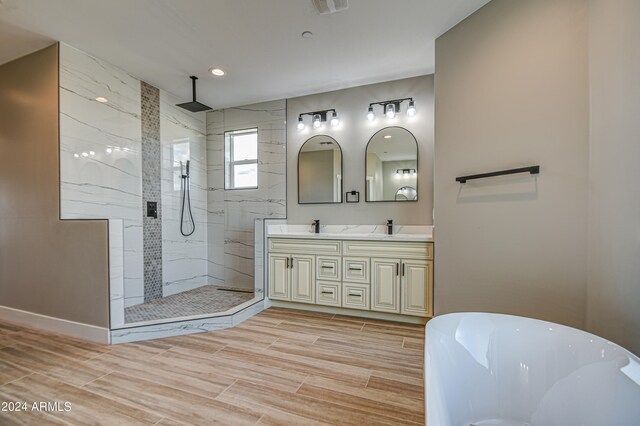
(279, 285)
(303, 279)
(385, 275)
(416, 287)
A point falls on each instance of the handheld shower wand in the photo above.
(186, 203)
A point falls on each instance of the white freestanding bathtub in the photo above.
(492, 369)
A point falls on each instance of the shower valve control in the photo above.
(152, 209)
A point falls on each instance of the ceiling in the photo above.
(257, 42)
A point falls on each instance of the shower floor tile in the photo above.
(199, 301)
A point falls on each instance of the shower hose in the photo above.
(185, 209)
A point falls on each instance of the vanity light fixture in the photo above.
(319, 117)
(406, 173)
(391, 108)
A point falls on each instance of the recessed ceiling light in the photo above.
(307, 34)
(387, 136)
(102, 100)
(216, 71)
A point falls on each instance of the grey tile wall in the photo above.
(151, 191)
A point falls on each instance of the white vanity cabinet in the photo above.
(296, 264)
(386, 276)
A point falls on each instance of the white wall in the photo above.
(512, 90)
(353, 134)
(614, 198)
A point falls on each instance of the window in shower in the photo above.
(241, 159)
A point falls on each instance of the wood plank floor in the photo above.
(281, 367)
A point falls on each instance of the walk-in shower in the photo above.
(146, 147)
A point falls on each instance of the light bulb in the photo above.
(370, 115)
(390, 110)
(316, 121)
(397, 173)
(411, 111)
(92, 153)
(76, 155)
(85, 154)
(300, 123)
(334, 120)
(109, 150)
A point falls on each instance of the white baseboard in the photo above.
(56, 325)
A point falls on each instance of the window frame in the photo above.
(230, 164)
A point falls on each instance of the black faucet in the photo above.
(316, 226)
(390, 227)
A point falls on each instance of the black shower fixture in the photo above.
(194, 106)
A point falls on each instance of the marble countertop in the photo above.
(418, 233)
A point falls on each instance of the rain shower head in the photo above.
(194, 106)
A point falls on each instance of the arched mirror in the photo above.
(406, 193)
(392, 166)
(320, 171)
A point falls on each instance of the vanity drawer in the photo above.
(401, 249)
(356, 269)
(328, 293)
(328, 268)
(298, 245)
(355, 296)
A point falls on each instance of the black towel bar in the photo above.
(534, 170)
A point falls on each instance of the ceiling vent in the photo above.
(326, 7)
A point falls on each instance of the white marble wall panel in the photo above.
(100, 163)
(184, 259)
(116, 272)
(231, 214)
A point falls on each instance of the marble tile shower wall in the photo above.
(100, 153)
(231, 214)
(184, 259)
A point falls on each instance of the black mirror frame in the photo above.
(366, 186)
(341, 171)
